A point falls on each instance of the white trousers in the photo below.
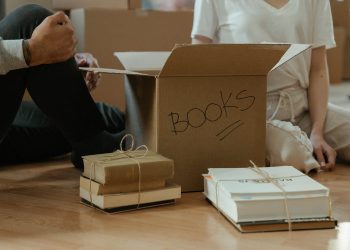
(292, 105)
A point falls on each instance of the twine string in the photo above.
(131, 153)
(275, 182)
(268, 179)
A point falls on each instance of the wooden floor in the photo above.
(40, 209)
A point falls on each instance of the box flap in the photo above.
(294, 50)
(111, 71)
(147, 62)
(223, 59)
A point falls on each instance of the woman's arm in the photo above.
(318, 101)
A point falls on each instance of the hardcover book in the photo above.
(100, 189)
(112, 201)
(244, 196)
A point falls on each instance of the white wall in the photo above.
(12, 4)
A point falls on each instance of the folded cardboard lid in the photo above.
(229, 59)
(150, 62)
(211, 59)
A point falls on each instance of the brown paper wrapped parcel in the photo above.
(123, 168)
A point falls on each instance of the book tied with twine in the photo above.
(128, 180)
(269, 199)
(123, 167)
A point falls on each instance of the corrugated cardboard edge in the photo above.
(222, 59)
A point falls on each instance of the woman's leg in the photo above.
(336, 130)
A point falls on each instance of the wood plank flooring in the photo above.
(40, 209)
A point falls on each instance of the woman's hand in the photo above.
(318, 101)
(324, 153)
(87, 60)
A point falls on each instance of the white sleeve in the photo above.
(11, 55)
(323, 34)
(205, 20)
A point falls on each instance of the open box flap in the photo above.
(112, 71)
(223, 59)
(149, 63)
(228, 59)
(294, 50)
(207, 60)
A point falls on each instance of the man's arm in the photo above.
(11, 55)
(51, 42)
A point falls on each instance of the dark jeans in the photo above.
(32, 137)
(59, 89)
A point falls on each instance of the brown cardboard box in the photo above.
(109, 4)
(103, 32)
(346, 71)
(340, 12)
(341, 19)
(202, 105)
(336, 57)
(346, 68)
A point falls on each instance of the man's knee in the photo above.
(21, 22)
(31, 13)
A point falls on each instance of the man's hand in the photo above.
(87, 60)
(52, 41)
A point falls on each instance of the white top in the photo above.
(256, 21)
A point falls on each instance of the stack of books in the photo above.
(115, 182)
(270, 199)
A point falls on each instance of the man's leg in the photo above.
(113, 118)
(58, 89)
(32, 137)
(17, 25)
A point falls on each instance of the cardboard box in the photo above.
(341, 19)
(335, 56)
(103, 32)
(346, 68)
(109, 4)
(340, 12)
(202, 105)
(2, 9)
